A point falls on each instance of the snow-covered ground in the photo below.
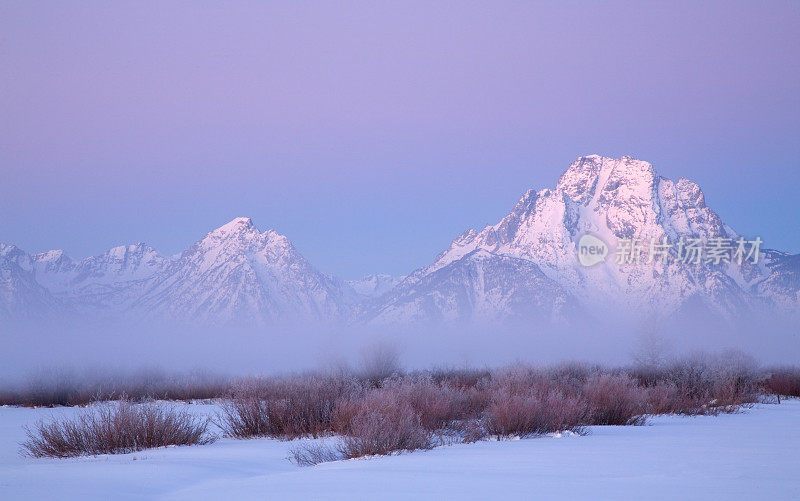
(750, 455)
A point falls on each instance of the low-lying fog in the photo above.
(33, 347)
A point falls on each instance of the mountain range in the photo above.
(523, 267)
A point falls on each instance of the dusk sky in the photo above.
(371, 134)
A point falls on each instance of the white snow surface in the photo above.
(754, 454)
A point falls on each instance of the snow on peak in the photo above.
(234, 238)
(235, 227)
(121, 251)
(51, 256)
(6, 249)
(588, 177)
(241, 236)
(237, 273)
(527, 258)
(614, 198)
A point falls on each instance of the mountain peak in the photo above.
(56, 256)
(129, 253)
(237, 229)
(7, 248)
(590, 175)
(237, 225)
(524, 264)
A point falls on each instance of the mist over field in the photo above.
(97, 349)
(245, 300)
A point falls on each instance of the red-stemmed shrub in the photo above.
(285, 408)
(384, 423)
(438, 404)
(614, 400)
(116, 428)
(535, 412)
(783, 381)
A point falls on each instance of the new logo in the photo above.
(591, 250)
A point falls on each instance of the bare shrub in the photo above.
(305, 406)
(652, 349)
(146, 385)
(459, 378)
(571, 375)
(343, 413)
(516, 414)
(382, 424)
(472, 430)
(438, 405)
(117, 428)
(784, 381)
(285, 407)
(706, 384)
(614, 400)
(736, 379)
(380, 361)
(665, 398)
(244, 416)
(384, 410)
(60, 387)
(55, 387)
(310, 454)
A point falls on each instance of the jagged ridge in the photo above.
(523, 266)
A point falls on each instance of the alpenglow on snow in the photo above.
(525, 266)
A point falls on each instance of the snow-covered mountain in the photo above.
(525, 266)
(235, 273)
(613, 199)
(105, 283)
(481, 286)
(21, 296)
(782, 284)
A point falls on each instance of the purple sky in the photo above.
(373, 134)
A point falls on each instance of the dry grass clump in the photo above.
(116, 428)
